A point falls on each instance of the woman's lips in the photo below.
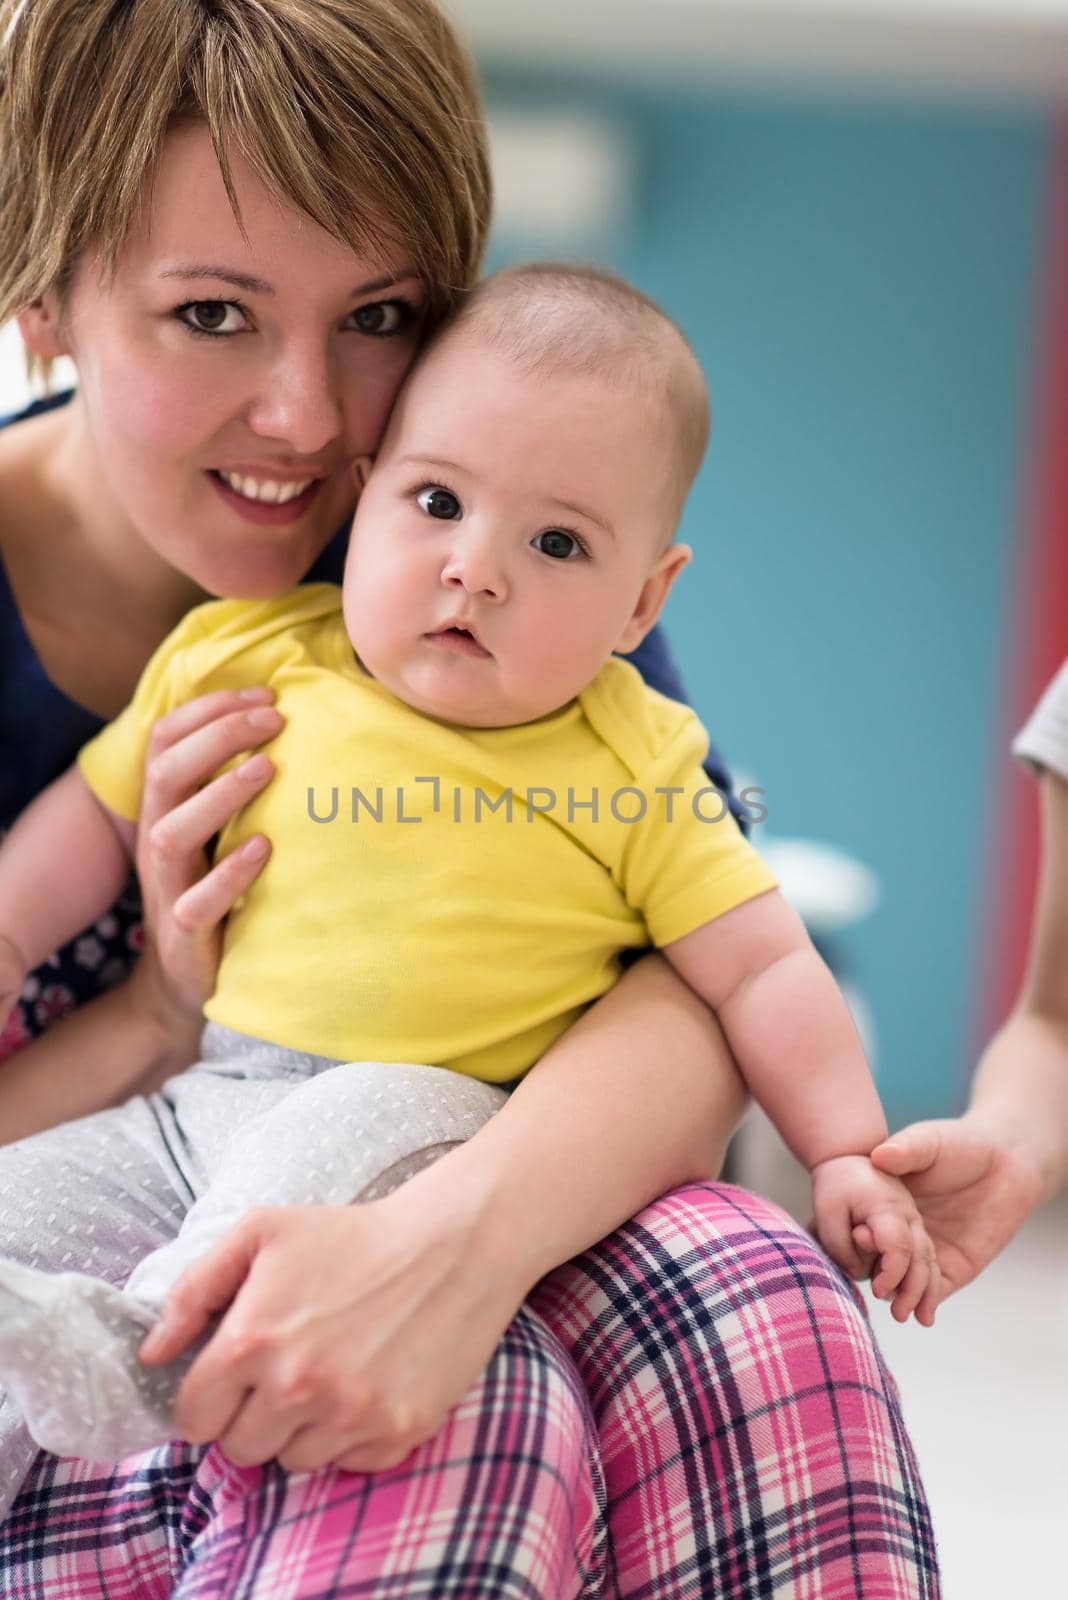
(264, 511)
(458, 640)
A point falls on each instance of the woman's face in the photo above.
(229, 376)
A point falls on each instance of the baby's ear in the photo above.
(655, 591)
(361, 471)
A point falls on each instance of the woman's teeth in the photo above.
(271, 491)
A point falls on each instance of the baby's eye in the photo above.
(212, 316)
(440, 503)
(383, 317)
(560, 545)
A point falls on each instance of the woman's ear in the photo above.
(41, 326)
(655, 591)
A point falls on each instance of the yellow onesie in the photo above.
(436, 893)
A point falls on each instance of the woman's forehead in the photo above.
(189, 225)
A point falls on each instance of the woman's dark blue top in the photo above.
(41, 731)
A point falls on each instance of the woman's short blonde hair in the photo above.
(364, 114)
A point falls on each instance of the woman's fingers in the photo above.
(174, 773)
(203, 1290)
(194, 714)
(205, 903)
(189, 825)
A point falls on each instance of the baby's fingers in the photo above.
(892, 1239)
(836, 1237)
(920, 1289)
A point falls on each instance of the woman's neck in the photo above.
(94, 597)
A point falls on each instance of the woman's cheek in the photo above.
(162, 412)
(372, 391)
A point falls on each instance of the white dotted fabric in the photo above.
(125, 1200)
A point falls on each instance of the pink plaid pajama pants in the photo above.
(693, 1410)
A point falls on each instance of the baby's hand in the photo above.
(869, 1222)
(12, 976)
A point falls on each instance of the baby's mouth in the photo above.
(458, 639)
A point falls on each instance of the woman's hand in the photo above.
(351, 1331)
(348, 1334)
(974, 1186)
(183, 808)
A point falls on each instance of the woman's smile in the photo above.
(266, 500)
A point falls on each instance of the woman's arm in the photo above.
(639, 1096)
(352, 1331)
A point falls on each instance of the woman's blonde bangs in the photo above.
(363, 114)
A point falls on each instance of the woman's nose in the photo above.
(299, 402)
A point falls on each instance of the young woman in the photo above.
(239, 218)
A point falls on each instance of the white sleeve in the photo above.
(1043, 740)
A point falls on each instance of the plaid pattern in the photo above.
(745, 1440)
(751, 1436)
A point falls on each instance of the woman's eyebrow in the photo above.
(251, 285)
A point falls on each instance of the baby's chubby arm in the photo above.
(63, 864)
(794, 1040)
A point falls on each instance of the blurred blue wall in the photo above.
(859, 282)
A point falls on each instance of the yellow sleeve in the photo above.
(687, 861)
(113, 763)
(684, 860)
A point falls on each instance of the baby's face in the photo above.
(509, 538)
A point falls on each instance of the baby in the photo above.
(478, 808)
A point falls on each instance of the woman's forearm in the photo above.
(640, 1095)
(107, 1050)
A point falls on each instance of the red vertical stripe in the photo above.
(1038, 629)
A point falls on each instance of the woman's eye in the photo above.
(558, 544)
(383, 317)
(212, 316)
(440, 503)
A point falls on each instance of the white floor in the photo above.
(986, 1400)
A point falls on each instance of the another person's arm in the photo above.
(978, 1177)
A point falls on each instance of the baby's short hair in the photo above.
(552, 316)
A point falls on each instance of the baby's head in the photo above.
(517, 527)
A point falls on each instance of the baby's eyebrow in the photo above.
(587, 516)
(430, 461)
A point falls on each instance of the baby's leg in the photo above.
(352, 1133)
(98, 1193)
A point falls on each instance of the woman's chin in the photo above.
(256, 570)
